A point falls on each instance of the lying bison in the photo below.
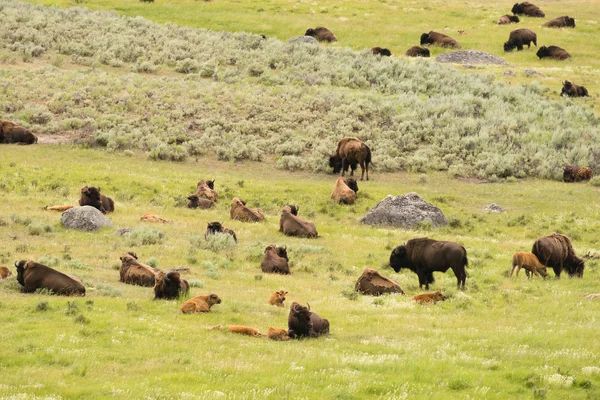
(169, 285)
(429, 298)
(572, 90)
(195, 201)
(344, 191)
(508, 19)
(206, 190)
(440, 39)
(321, 33)
(239, 211)
(423, 256)
(381, 51)
(417, 51)
(278, 334)
(304, 323)
(200, 304)
(91, 196)
(33, 276)
(275, 260)
(554, 52)
(520, 37)
(4, 272)
(351, 152)
(18, 135)
(556, 251)
(278, 298)
(561, 22)
(216, 227)
(372, 283)
(573, 173)
(134, 272)
(528, 9)
(292, 225)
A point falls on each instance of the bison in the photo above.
(572, 90)
(528, 9)
(33, 276)
(195, 201)
(304, 323)
(439, 39)
(423, 256)
(275, 260)
(344, 191)
(508, 19)
(322, 34)
(216, 227)
(371, 282)
(91, 196)
(17, 134)
(200, 304)
(349, 153)
(151, 217)
(4, 272)
(239, 329)
(561, 22)
(429, 298)
(134, 272)
(278, 334)
(239, 211)
(292, 225)
(554, 52)
(417, 51)
(520, 37)
(206, 190)
(278, 298)
(381, 51)
(169, 285)
(573, 173)
(556, 251)
(529, 262)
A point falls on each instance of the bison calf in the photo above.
(240, 329)
(277, 298)
(429, 298)
(529, 262)
(278, 334)
(195, 201)
(4, 272)
(200, 304)
(572, 90)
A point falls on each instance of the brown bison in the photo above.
(91, 196)
(294, 209)
(381, 51)
(216, 227)
(520, 37)
(18, 135)
(440, 39)
(169, 285)
(529, 262)
(561, 22)
(195, 201)
(239, 211)
(134, 272)
(371, 282)
(4, 272)
(572, 90)
(275, 260)
(304, 323)
(292, 225)
(429, 298)
(33, 276)
(556, 251)
(278, 298)
(322, 34)
(278, 334)
(417, 51)
(151, 217)
(239, 329)
(508, 19)
(206, 190)
(554, 52)
(351, 152)
(528, 9)
(573, 173)
(424, 256)
(200, 304)
(344, 191)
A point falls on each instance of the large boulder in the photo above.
(406, 211)
(373, 283)
(85, 218)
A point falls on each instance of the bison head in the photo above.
(509, 46)
(438, 296)
(516, 9)
(310, 32)
(293, 209)
(213, 299)
(351, 183)
(542, 52)
(282, 252)
(194, 201)
(385, 52)
(299, 319)
(569, 173)
(398, 258)
(20, 266)
(211, 184)
(426, 39)
(90, 196)
(214, 227)
(570, 22)
(576, 268)
(335, 162)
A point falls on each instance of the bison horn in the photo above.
(308, 306)
(16, 264)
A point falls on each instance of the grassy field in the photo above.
(501, 338)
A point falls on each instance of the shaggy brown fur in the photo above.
(239, 211)
(216, 227)
(529, 262)
(57, 208)
(277, 298)
(351, 152)
(440, 39)
(195, 201)
(91, 196)
(292, 225)
(556, 251)
(150, 217)
(200, 304)
(275, 260)
(379, 51)
(531, 10)
(240, 329)
(18, 135)
(344, 190)
(169, 285)
(5, 125)
(134, 272)
(206, 190)
(520, 37)
(429, 298)
(553, 52)
(561, 22)
(573, 173)
(572, 90)
(371, 282)
(321, 33)
(33, 276)
(278, 334)
(417, 51)
(508, 19)
(5, 273)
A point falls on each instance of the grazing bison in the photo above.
(4, 272)
(278, 334)
(351, 152)
(134, 272)
(371, 282)
(275, 260)
(440, 39)
(304, 323)
(151, 217)
(528, 9)
(292, 225)
(278, 298)
(216, 227)
(91, 196)
(429, 298)
(200, 304)
(573, 173)
(239, 211)
(381, 51)
(417, 51)
(344, 191)
(206, 190)
(556, 251)
(572, 90)
(529, 262)
(195, 201)
(520, 37)
(554, 52)
(561, 22)
(423, 256)
(169, 285)
(33, 276)
(322, 34)
(508, 19)
(18, 135)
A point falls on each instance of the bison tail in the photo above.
(368, 158)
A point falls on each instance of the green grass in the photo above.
(501, 338)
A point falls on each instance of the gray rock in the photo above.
(531, 72)
(494, 208)
(303, 39)
(123, 231)
(470, 57)
(509, 73)
(406, 211)
(85, 218)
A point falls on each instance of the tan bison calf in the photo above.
(151, 217)
(344, 191)
(277, 298)
(239, 329)
(200, 304)
(134, 272)
(529, 262)
(278, 334)
(5, 272)
(429, 298)
(292, 225)
(239, 211)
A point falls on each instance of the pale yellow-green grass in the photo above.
(500, 338)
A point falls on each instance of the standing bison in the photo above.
(554, 52)
(440, 39)
(33, 276)
(423, 256)
(573, 173)
(292, 225)
(528, 9)
(561, 22)
(349, 153)
(321, 33)
(572, 90)
(556, 251)
(304, 323)
(417, 51)
(520, 37)
(91, 196)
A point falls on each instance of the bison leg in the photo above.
(557, 271)
(345, 166)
